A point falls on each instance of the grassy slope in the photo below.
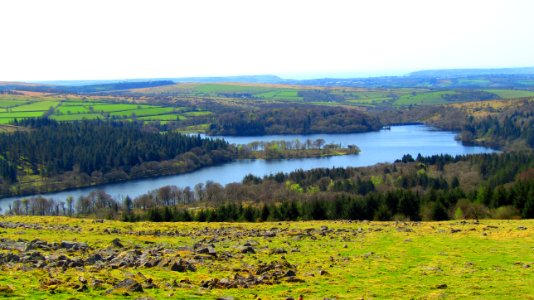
(369, 260)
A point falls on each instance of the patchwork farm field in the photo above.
(67, 258)
(331, 95)
(20, 107)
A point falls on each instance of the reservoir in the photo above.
(385, 145)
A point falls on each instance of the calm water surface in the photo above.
(376, 147)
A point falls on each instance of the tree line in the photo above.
(293, 120)
(421, 188)
(93, 152)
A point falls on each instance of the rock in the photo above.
(324, 228)
(10, 257)
(207, 250)
(73, 245)
(183, 266)
(226, 298)
(117, 243)
(247, 249)
(294, 279)
(82, 279)
(441, 286)
(97, 284)
(91, 260)
(278, 251)
(290, 273)
(83, 288)
(269, 234)
(323, 272)
(521, 228)
(128, 284)
(454, 230)
(37, 244)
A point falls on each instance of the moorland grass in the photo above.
(371, 260)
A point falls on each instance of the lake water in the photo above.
(376, 147)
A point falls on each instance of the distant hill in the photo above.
(454, 73)
(242, 79)
(75, 89)
(514, 78)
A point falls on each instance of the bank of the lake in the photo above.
(376, 147)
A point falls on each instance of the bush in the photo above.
(506, 212)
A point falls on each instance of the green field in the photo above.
(229, 88)
(197, 113)
(151, 111)
(423, 98)
(4, 103)
(172, 117)
(510, 94)
(108, 107)
(36, 106)
(72, 109)
(335, 260)
(76, 117)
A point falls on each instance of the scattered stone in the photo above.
(454, 230)
(441, 286)
(83, 288)
(94, 258)
(290, 273)
(207, 250)
(269, 234)
(247, 249)
(183, 266)
(521, 228)
(278, 251)
(323, 272)
(295, 279)
(117, 243)
(73, 245)
(128, 284)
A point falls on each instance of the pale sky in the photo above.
(74, 39)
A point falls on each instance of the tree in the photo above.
(69, 201)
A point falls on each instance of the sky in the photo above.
(113, 39)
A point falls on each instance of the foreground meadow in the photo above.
(59, 257)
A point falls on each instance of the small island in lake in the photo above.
(282, 149)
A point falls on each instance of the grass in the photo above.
(151, 111)
(117, 107)
(76, 117)
(510, 94)
(197, 113)
(378, 260)
(74, 109)
(70, 109)
(424, 98)
(5, 103)
(172, 117)
(36, 106)
(24, 114)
